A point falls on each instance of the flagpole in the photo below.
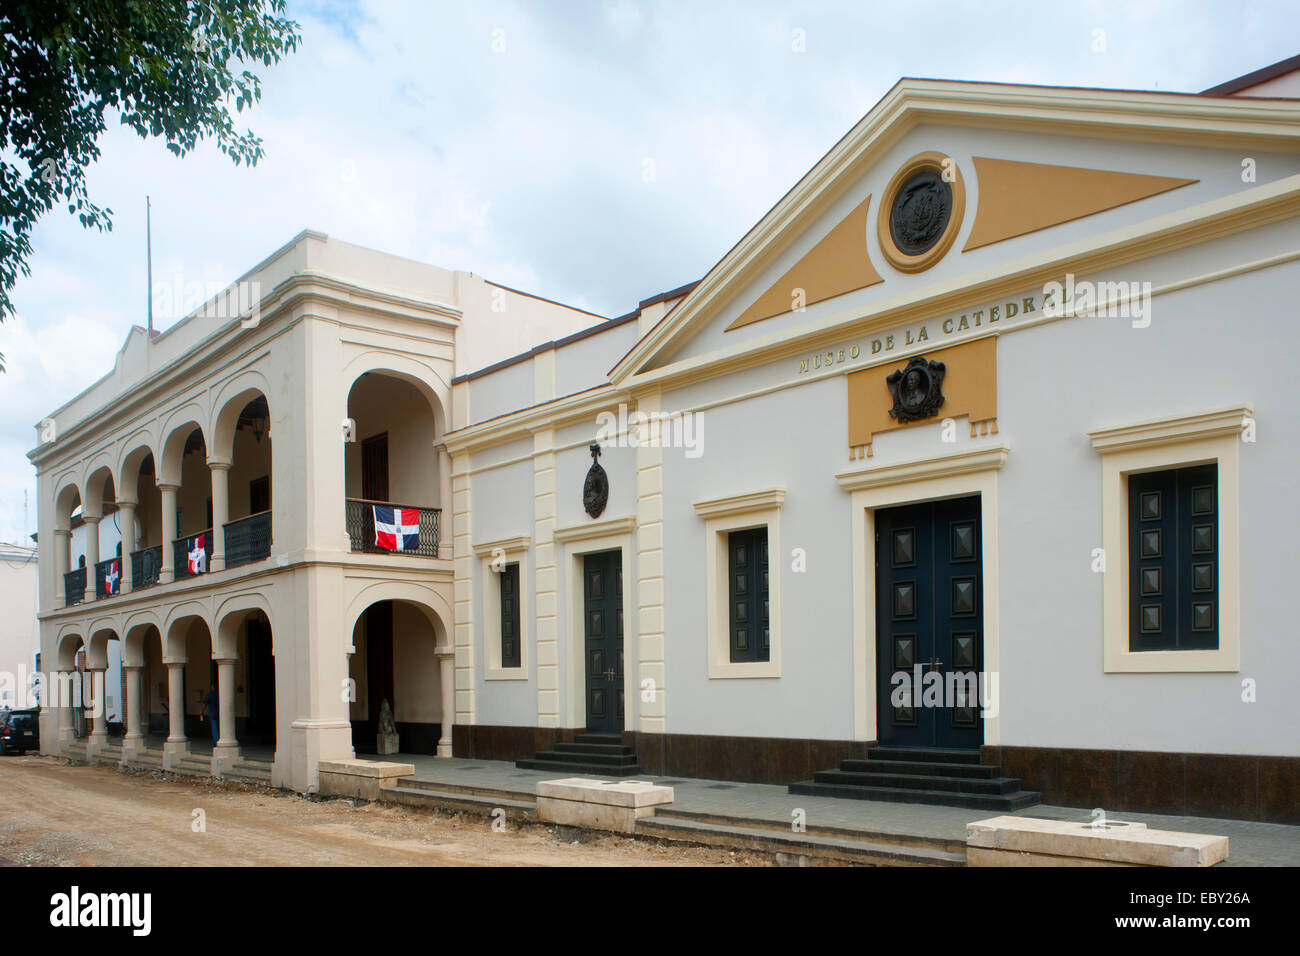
(148, 245)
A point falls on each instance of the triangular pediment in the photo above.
(1041, 169)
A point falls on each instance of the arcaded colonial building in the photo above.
(237, 460)
(975, 452)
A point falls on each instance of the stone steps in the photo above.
(909, 840)
(939, 777)
(793, 846)
(598, 755)
(940, 798)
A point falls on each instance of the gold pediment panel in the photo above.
(1017, 198)
(836, 265)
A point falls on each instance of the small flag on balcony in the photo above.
(113, 579)
(198, 562)
(397, 529)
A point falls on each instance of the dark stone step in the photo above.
(924, 754)
(973, 801)
(606, 739)
(595, 759)
(921, 768)
(607, 749)
(905, 781)
(587, 769)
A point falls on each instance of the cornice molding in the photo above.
(526, 422)
(922, 469)
(1215, 423)
(276, 307)
(765, 500)
(596, 529)
(508, 545)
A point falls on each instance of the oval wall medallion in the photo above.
(595, 490)
(922, 212)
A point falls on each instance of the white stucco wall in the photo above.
(19, 631)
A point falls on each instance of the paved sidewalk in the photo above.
(1250, 844)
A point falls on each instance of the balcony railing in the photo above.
(248, 539)
(360, 515)
(108, 579)
(183, 547)
(74, 587)
(146, 564)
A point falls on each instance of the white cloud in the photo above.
(396, 125)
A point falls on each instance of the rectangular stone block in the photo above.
(1026, 841)
(360, 778)
(599, 804)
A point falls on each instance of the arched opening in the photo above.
(394, 473)
(393, 660)
(192, 684)
(99, 542)
(247, 526)
(146, 709)
(246, 641)
(139, 521)
(105, 692)
(192, 545)
(67, 688)
(69, 556)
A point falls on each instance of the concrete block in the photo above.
(599, 804)
(1026, 841)
(360, 778)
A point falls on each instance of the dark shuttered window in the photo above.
(747, 591)
(1174, 559)
(510, 616)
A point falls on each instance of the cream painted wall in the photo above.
(381, 403)
(19, 631)
(1286, 85)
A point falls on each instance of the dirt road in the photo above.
(55, 814)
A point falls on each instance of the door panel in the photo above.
(374, 467)
(929, 620)
(603, 641)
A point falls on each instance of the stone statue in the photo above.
(386, 740)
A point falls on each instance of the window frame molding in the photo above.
(516, 552)
(721, 517)
(1201, 438)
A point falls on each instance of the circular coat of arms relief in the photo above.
(920, 213)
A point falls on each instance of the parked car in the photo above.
(20, 731)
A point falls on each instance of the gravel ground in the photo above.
(55, 814)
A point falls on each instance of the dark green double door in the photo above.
(929, 621)
(603, 641)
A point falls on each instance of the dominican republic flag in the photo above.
(397, 529)
(198, 562)
(113, 579)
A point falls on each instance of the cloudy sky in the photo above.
(512, 140)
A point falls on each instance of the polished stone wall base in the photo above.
(778, 760)
(1233, 786)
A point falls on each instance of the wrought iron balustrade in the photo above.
(248, 539)
(360, 516)
(74, 587)
(105, 575)
(146, 564)
(181, 550)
